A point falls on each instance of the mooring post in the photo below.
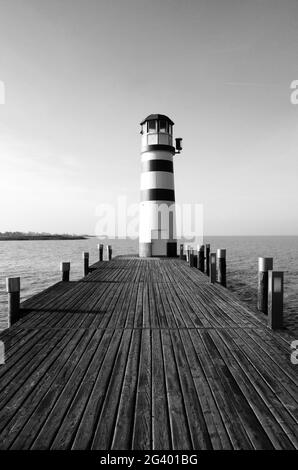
(100, 252)
(201, 258)
(187, 253)
(275, 299)
(109, 252)
(221, 267)
(181, 251)
(13, 288)
(207, 259)
(86, 262)
(191, 258)
(264, 265)
(213, 268)
(195, 260)
(65, 269)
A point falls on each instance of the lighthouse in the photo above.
(157, 230)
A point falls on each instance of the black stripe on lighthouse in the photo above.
(158, 165)
(158, 195)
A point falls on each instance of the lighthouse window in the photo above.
(144, 128)
(152, 127)
(163, 126)
(170, 128)
(164, 139)
(152, 139)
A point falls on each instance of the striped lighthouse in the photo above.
(157, 232)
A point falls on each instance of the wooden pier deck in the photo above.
(145, 354)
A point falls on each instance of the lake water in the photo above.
(37, 263)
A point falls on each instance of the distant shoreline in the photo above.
(42, 237)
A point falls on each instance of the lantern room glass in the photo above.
(152, 139)
(152, 126)
(163, 126)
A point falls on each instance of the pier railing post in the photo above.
(181, 251)
(275, 299)
(86, 262)
(221, 267)
(213, 268)
(13, 288)
(100, 251)
(195, 260)
(201, 257)
(187, 253)
(65, 269)
(191, 258)
(208, 259)
(264, 265)
(109, 252)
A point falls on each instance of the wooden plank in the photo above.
(196, 422)
(142, 431)
(161, 431)
(41, 403)
(122, 436)
(253, 429)
(216, 429)
(28, 383)
(84, 435)
(276, 421)
(180, 435)
(106, 421)
(89, 368)
(221, 394)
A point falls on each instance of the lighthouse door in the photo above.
(159, 242)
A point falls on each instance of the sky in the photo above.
(80, 75)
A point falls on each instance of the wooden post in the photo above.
(100, 252)
(109, 252)
(187, 253)
(86, 262)
(195, 261)
(191, 258)
(208, 259)
(181, 251)
(201, 257)
(264, 265)
(213, 268)
(221, 267)
(275, 299)
(13, 288)
(65, 268)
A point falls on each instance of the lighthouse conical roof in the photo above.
(153, 117)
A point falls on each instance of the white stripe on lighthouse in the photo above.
(157, 179)
(156, 155)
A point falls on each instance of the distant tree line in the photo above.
(38, 236)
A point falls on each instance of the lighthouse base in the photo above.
(149, 250)
(145, 250)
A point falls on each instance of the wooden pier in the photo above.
(145, 354)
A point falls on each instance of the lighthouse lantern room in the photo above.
(157, 233)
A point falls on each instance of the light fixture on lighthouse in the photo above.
(178, 144)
